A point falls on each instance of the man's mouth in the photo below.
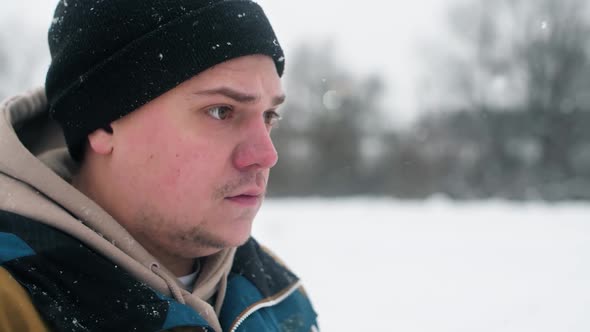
(247, 198)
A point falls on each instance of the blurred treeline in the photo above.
(505, 113)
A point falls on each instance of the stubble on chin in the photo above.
(198, 238)
(194, 239)
(157, 232)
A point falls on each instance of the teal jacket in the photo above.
(74, 288)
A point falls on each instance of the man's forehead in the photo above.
(240, 95)
(245, 79)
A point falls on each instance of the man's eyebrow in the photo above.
(239, 96)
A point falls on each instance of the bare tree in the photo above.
(522, 68)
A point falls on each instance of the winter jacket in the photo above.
(66, 265)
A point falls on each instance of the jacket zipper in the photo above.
(265, 304)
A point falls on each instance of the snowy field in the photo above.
(387, 265)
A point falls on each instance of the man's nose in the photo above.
(256, 149)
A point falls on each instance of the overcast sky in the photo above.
(370, 35)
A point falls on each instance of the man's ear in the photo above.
(101, 140)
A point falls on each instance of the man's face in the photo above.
(191, 167)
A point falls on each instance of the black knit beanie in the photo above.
(110, 57)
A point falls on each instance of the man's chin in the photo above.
(214, 245)
(238, 240)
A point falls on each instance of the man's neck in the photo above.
(179, 266)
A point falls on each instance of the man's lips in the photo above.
(247, 198)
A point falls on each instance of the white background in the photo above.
(384, 265)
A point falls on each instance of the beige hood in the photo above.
(35, 170)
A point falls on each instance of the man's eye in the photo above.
(220, 112)
(271, 117)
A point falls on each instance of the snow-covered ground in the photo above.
(385, 265)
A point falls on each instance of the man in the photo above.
(143, 222)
